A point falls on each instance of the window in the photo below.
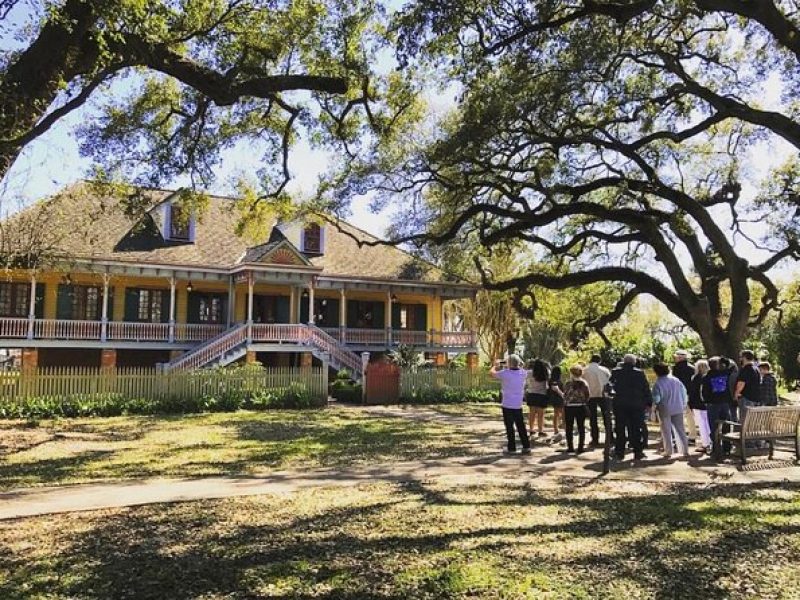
(178, 223)
(403, 317)
(150, 302)
(15, 299)
(86, 302)
(211, 309)
(312, 239)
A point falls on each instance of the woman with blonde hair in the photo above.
(699, 406)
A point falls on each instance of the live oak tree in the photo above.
(615, 138)
(176, 82)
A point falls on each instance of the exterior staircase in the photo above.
(232, 344)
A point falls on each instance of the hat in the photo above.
(682, 353)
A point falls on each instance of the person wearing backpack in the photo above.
(717, 395)
(576, 397)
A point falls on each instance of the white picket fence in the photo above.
(65, 382)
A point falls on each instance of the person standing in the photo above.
(670, 400)
(576, 395)
(716, 395)
(512, 385)
(769, 386)
(631, 397)
(748, 384)
(684, 371)
(698, 405)
(536, 385)
(555, 398)
(596, 377)
(729, 365)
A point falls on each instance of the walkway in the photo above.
(491, 467)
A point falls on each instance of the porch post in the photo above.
(311, 320)
(387, 318)
(342, 315)
(293, 305)
(172, 309)
(250, 284)
(32, 307)
(104, 316)
(231, 302)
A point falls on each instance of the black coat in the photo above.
(684, 371)
(631, 389)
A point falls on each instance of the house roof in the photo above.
(95, 226)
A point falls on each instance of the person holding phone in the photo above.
(512, 385)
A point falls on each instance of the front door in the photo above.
(271, 309)
(207, 308)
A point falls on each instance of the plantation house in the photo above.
(185, 291)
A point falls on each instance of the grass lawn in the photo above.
(550, 539)
(241, 443)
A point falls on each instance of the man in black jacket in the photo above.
(684, 371)
(631, 398)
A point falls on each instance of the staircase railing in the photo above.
(325, 343)
(208, 351)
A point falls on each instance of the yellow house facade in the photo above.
(185, 291)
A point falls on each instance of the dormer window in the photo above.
(180, 225)
(313, 239)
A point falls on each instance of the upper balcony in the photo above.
(20, 332)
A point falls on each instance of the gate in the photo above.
(382, 381)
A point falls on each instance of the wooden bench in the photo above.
(763, 423)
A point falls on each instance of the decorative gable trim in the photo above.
(281, 253)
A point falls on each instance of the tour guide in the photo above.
(512, 385)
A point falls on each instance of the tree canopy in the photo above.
(614, 138)
(177, 82)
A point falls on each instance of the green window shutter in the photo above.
(39, 305)
(64, 302)
(332, 313)
(193, 308)
(396, 315)
(131, 304)
(165, 306)
(352, 313)
(282, 309)
(420, 317)
(378, 315)
(304, 309)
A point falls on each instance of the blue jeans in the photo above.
(716, 414)
(744, 404)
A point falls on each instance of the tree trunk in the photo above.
(64, 49)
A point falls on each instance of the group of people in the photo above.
(689, 401)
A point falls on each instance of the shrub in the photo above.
(448, 395)
(345, 391)
(296, 396)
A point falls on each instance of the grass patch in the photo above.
(555, 540)
(241, 443)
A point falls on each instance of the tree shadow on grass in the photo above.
(422, 540)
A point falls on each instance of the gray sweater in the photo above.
(669, 396)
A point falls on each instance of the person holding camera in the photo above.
(512, 385)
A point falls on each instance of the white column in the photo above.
(104, 315)
(250, 284)
(342, 314)
(293, 305)
(231, 302)
(388, 318)
(32, 307)
(311, 320)
(171, 309)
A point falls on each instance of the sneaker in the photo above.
(701, 449)
(542, 434)
(618, 456)
(557, 438)
(508, 452)
(526, 450)
(639, 456)
(569, 450)
(579, 451)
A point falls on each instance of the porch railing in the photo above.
(137, 332)
(118, 331)
(196, 332)
(63, 329)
